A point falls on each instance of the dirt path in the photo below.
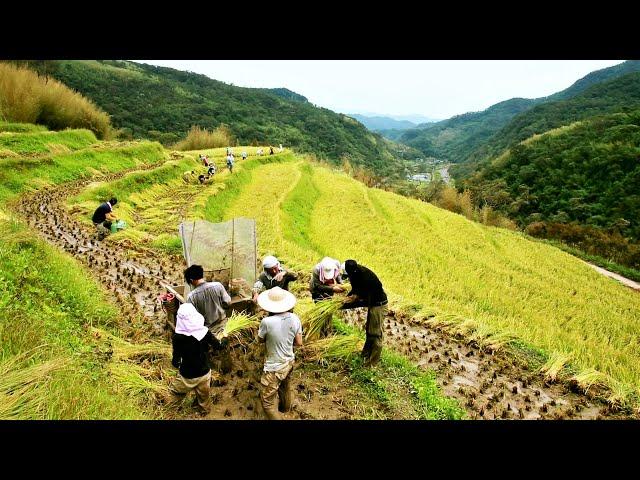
(615, 276)
(488, 385)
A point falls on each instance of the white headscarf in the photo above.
(190, 322)
(329, 269)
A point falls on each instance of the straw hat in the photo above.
(276, 300)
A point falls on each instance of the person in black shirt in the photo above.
(190, 346)
(367, 291)
(103, 216)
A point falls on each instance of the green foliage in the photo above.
(44, 142)
(136, 182)
(587, 174)
(201, 139)
(298, 208)
(28, 97)
(621, 94)
(147, 101)
(18, 174)
(47, 303)
(217, 205)
(454, 139)
(17, 127)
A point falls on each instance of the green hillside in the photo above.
(473, 136)
(162, 104)
(455, 138)
(621, 94)
(587, 173)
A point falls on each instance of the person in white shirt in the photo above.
(280, 331)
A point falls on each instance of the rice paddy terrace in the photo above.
(483, 322)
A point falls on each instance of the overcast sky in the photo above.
(437, 89)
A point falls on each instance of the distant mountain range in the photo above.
(463, 138)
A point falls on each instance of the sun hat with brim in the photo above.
(276, 300)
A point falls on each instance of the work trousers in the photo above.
(202, 386)
(276, 391)
(373, 345)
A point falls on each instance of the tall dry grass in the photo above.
(200, 138)
(27, 97)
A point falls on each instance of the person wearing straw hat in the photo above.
(367, 291)
(326, 279)
(280, 331)
(190, 344)
(273, 275)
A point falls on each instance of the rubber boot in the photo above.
(285, 395)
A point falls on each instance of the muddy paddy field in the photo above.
(487, 384)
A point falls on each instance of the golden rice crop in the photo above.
(238, 324)
(319, 315)
(332, 348)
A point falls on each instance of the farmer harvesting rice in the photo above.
(326, 279)
(210, 299)
(273, 275)
(190, 343)
(280, 331)
(104, 216)
(367, 291)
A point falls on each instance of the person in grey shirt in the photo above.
(210, 300)
(280, 331)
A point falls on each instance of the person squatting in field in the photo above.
(272, 275)
(103, 217)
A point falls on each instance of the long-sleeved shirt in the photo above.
(266, 281)
(319, 289)
(367, 286)
(210, 300)
(190, 355)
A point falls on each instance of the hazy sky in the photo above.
(433, 88)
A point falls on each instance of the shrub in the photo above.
(201, 138)
(29, 98)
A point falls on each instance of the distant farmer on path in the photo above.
(104, 216)
(190, 344)
(280, 331)
(230, 162)
(367, 291)
(273, 275)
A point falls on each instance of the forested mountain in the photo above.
(162, 104)
(382, 123)
(455, 138)
(582, 181)
(621, 94)
(463, 138)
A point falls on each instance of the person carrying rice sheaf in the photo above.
(367, 291)
(273, 275)
(280, 332)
